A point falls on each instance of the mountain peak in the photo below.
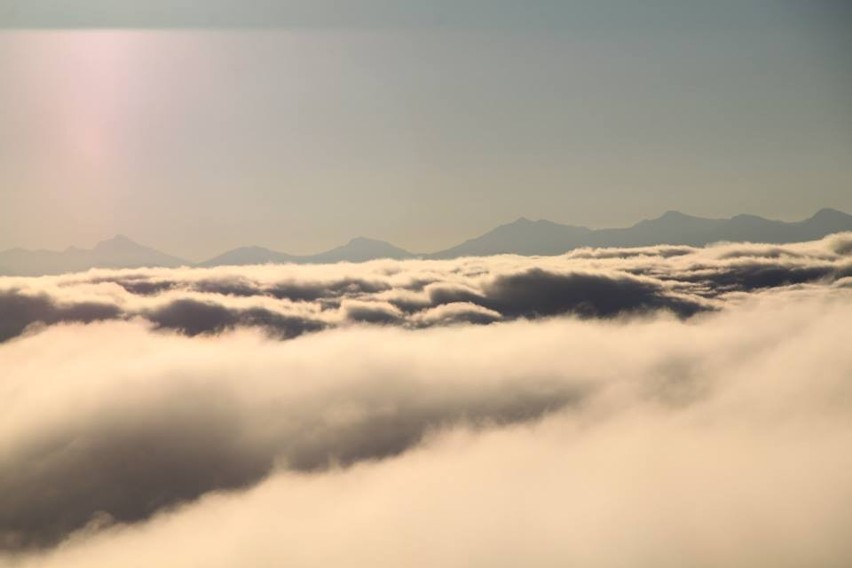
(118, 243)
(119, 238)
(116, 252)
(672, 214)
(746, 217)
(365, 244)
(360, 249)
(248, 255)
(669, 217)
(525, 223)
(366, 241)
(827, 214)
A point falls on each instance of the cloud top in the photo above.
(640, 407)
(289, 300)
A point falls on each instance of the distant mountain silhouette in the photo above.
(117, 252)
(249, 255)
(672, 227)
(547, 238)
(679, 229)
(519, 237)
(359, 249)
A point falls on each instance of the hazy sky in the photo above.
(299, 125)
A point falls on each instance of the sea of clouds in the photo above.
(659, 406)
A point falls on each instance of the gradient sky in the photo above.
(300, 125)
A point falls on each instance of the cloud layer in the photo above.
(644, 407)
(289, 300)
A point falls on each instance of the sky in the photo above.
(300, 125)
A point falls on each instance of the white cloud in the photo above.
(720, 439)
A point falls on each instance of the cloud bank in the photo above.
(661, 406)
(289, 300)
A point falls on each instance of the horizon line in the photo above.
(123, 236)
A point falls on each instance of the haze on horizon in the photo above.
(299, 127)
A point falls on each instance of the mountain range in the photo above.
(522, 236)
(117, 252)
(359, 249)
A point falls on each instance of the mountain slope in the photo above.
(521, 237)
(360, 249)
(548, 238)
(117, 252)
(248, 255)
(672, 227)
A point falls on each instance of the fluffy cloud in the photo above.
(20, 311)
(663, 419)
(289, 300)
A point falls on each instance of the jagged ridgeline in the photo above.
(522, 236)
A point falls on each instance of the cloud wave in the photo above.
(639, 407)
(289, 300)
